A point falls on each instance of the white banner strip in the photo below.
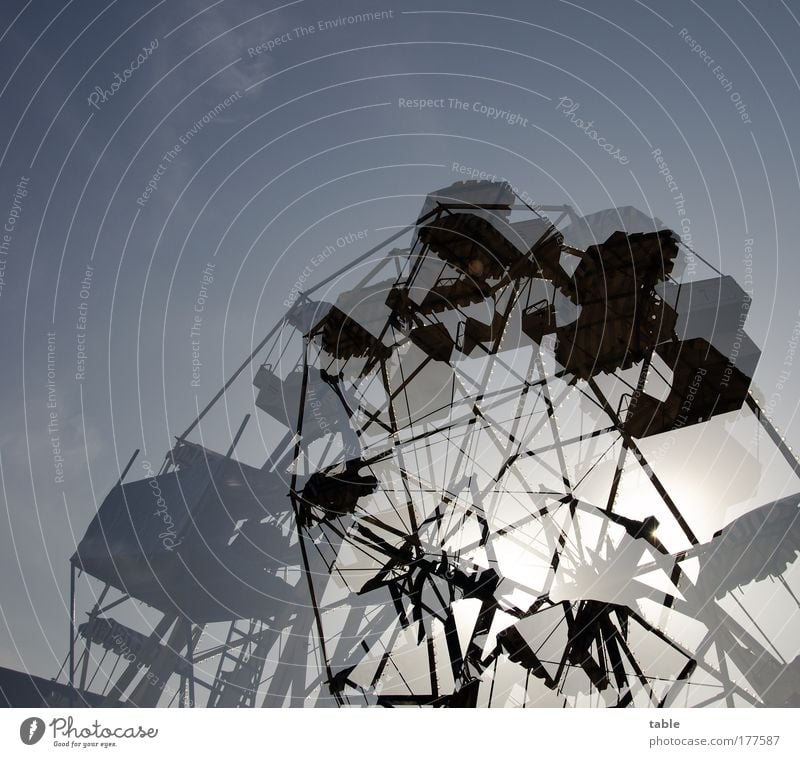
(400, 733)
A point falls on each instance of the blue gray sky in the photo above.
(160, 154)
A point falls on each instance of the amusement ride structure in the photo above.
(518, 463)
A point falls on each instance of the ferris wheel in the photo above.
(496, 481)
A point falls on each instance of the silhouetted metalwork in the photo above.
(487, 490)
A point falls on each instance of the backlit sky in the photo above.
(309, 138)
